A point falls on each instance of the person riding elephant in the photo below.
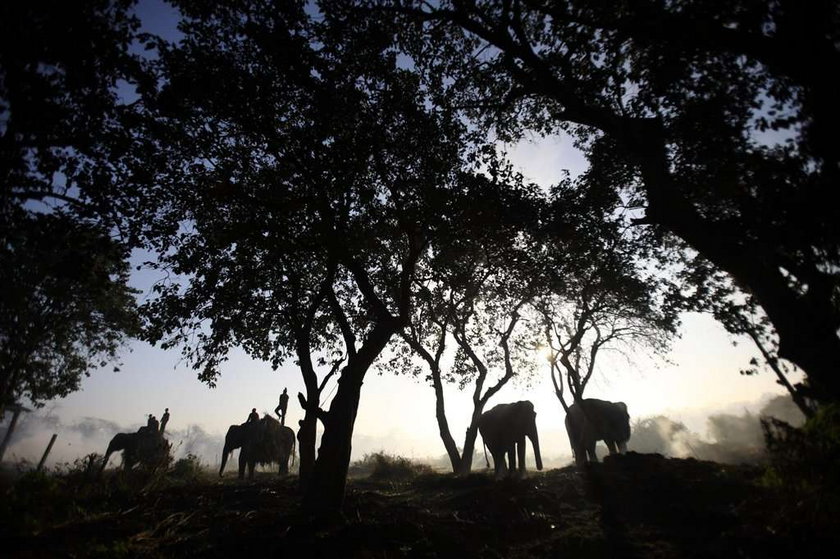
(592, 420)
(504, 429)
(264, 441)
(148, 447)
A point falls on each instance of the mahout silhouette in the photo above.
(592, 420)
(264, 441)
(253, 417)
(282, 405)
(164, 419)
(504, 429)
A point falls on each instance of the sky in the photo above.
(396, 414)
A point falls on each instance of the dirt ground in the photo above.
(630, 506)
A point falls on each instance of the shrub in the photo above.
(384, 467)
(188, 468)
(805, 464)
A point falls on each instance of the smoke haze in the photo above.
(729, 438)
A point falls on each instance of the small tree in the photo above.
(65, 307)
(471, 292)
(597, 318)
(483, 324)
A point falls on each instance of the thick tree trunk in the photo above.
(324, 493)
(306, 436)
(469, 447)
(443, 424)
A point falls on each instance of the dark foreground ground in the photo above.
(632, 506)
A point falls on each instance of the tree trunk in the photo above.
(325, 490)
(443, 423)
(469, 446)
(324, 494)
(306, 436)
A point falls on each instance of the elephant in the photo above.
(503, 429)
(145, 446)
(262, 442)
(590, 421)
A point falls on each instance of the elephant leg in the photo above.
(242, 463)
(511, 462)
(590, 451)
(499, 462)
(622, 447)
(520, 452)
(128, 459)
(579, 453)
(251, 465)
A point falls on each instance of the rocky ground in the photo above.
(631, 506)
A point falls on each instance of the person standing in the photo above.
(281, 407)
(164, 419)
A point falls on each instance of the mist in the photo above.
(729, 438)
(91, 435)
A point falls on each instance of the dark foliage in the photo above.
(634, 506)
(710, 124)
(65, 305)
(805, 467)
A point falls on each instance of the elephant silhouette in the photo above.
(261, 442)
(146, 446)
(504, 429)
(590, 421)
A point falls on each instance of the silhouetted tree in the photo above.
(470, 293)
(292, 175)
(608, 307)
(65, 307)
(717, 118)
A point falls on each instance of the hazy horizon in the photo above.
(702, 381)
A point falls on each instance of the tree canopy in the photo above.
(65, 304)
(714, 120)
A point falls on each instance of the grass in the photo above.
(632, 506)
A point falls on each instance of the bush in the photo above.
(188, 468)
(805, 464)
(807, 457)
(384, 467)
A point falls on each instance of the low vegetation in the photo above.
(380, 466)
(638, 505)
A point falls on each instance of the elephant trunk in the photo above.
(225, 455)
(535, 441)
